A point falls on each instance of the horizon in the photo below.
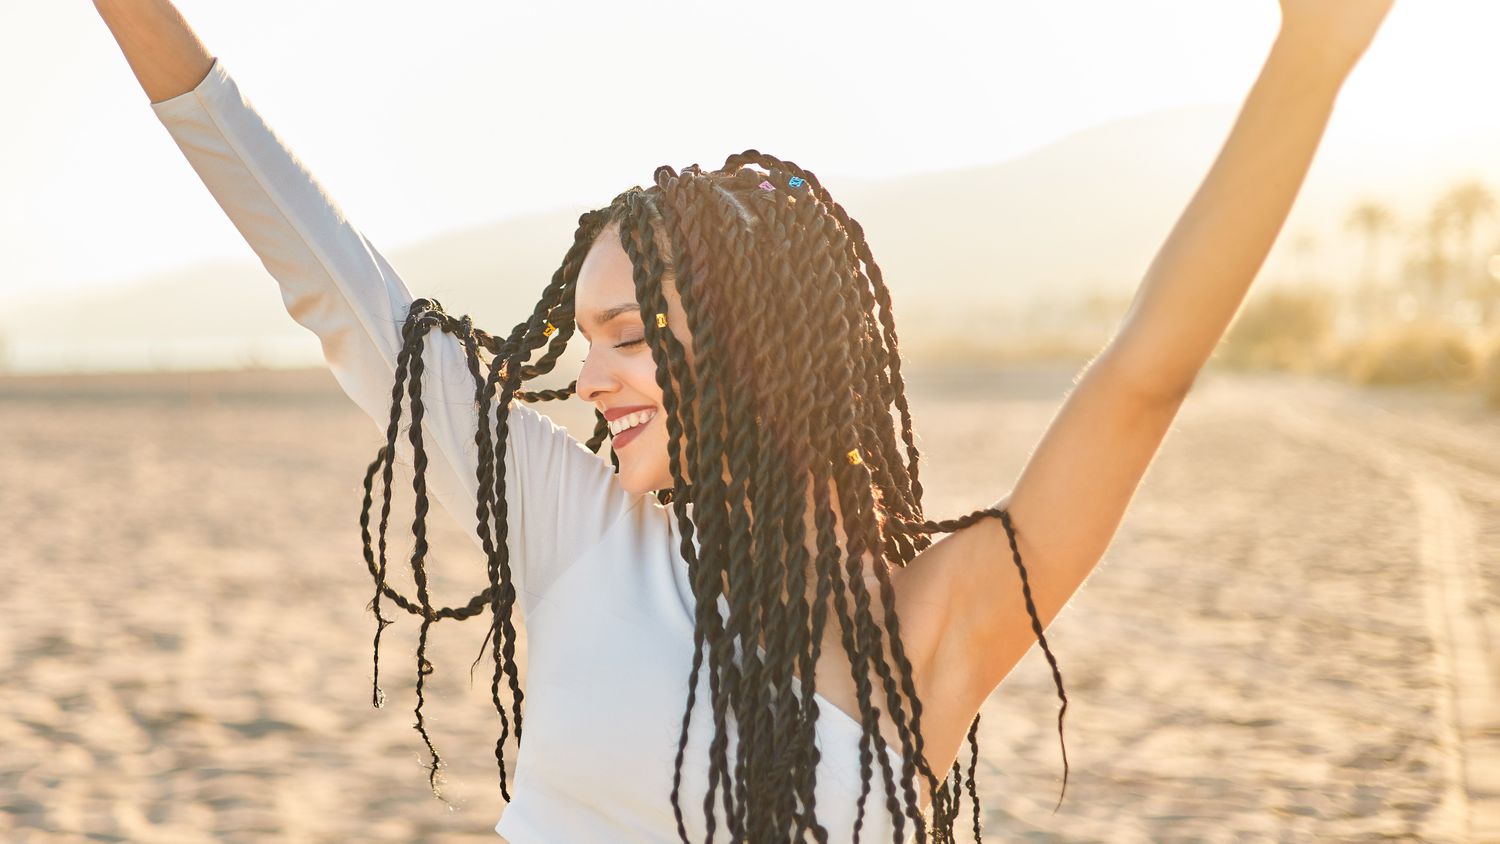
(88, 148)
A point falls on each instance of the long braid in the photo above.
(500, 596)
(486, 478)
(688, 230)
(794, 755)
(876, 463)
(377, 697)
(912, 744)
(509, 362)
(791, 629)
(871, 651)
(758, 445)
(775, 506)
(787, 226)
(385, 461)
(419, 548)
(864, 646)
(859, 638)
(891, 388)
(881, 294)
(779, 236)
(1003, 515)
(755, 463)
(710, 501)
(867, 715)
(678, 441)
(556, 298)
(751, 468)
(887, 318)
(973, 786)
(819, 383)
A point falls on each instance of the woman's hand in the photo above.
(1338, 30)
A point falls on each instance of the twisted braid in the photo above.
(741, 452)
(776, 506)
(912, 746)
(791, 628)
(758, 446)
(712, 509)
(754, 464)
(799, 248)
(508, 369)
(790, 236)
(419, 548)
(707, 622)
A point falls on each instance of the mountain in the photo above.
(983, 248)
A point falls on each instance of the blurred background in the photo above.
(1290, 637)
(1025, 159)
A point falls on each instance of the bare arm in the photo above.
(1204, 269)
(1074, 490)
(162, 50)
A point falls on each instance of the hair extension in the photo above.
(777, 453)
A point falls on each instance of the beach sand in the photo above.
(1289, 638)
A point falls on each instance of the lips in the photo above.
(620, 441)
(616, 412)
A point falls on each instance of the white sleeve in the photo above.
(561, 498)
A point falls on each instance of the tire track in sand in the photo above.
(1453, 590)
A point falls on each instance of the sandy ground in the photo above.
(1290, 638)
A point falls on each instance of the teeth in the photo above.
(625, 423)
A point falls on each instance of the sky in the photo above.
(468, 112)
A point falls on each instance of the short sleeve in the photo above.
(561, 498)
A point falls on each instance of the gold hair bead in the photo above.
(661, 320)
(854, 457)
(547, 332)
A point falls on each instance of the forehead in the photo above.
(604, 280)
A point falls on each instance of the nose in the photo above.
(596, 378)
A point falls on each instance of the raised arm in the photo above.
(1073, 492)
(335, 283)
(162, 50)
(1204, 269)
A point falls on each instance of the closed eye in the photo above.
(630, 343)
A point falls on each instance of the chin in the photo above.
(639, 479)
(634, 483)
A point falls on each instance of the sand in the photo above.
(1289, 639)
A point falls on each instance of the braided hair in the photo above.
(764, 260)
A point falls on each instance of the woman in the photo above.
(747, 647)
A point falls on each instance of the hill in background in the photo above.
(1047, 245)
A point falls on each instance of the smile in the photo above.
(627, 428)
(625, 423)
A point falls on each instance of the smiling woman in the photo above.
(755, 551)
(793, 508)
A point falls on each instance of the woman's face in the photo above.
(618, 375)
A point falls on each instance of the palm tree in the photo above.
(1465, 204)
(1305, 250)
(1373, 221)
(1489, 299)
(1434, 261)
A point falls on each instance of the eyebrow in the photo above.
(604, 316)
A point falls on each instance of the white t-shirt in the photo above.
(603, 587)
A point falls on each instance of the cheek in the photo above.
(644, 376)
